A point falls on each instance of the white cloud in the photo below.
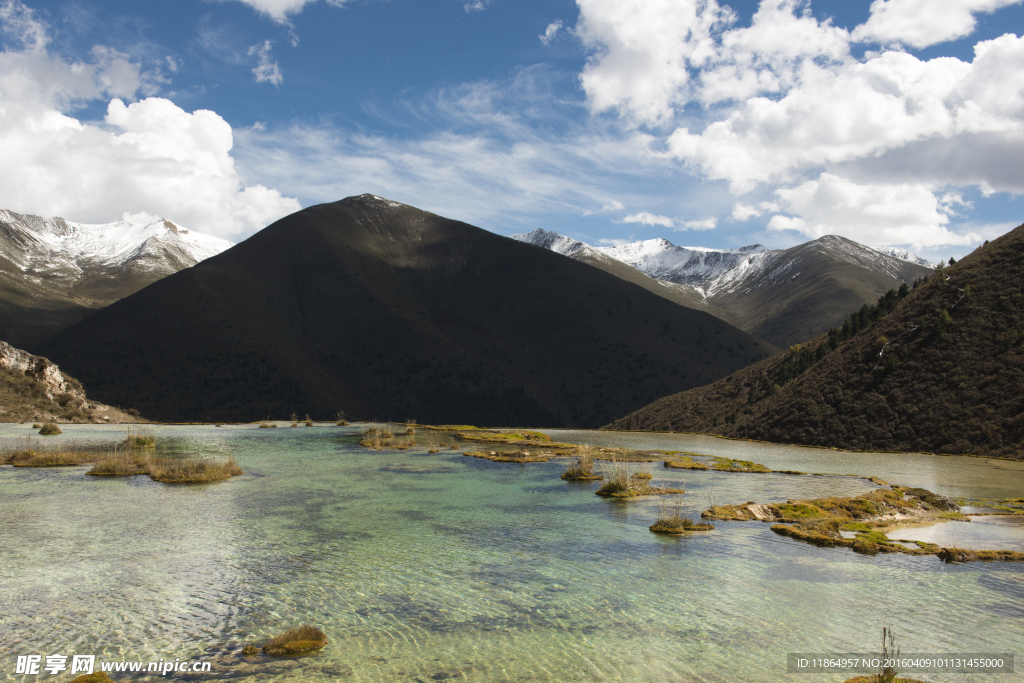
(488, 164)
(920, 23)
(281, 10)
(881, 214)
(148, 156)
(645, 218)
(697, 224)
(550, 32)
(774, 105)
(643, 50)
(266, 71)
(610, 242)
(743, 212)
(475, 5)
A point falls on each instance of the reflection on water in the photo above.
(981, 533)
(440, 567)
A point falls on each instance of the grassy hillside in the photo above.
(387, 312)
(949, 380)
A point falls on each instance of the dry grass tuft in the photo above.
(139, 438)
(49, 429)
(582, 467)
(673, 520)
(305, 638)
(191, 469)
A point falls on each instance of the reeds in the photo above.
(192, 469)
(672, 518)
(435, 440)
(31, 452)
(119, 463)
(618, 479)
(582, 466)
(139, 438)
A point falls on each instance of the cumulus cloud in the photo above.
(550, 32)
(643, 50)
(776, 104)
(475, 5)
(645, 218)
(266, 70)
(920, 23)
(879, 214)
(281, 10)
(148, 156)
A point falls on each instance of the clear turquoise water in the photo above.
(441, 567)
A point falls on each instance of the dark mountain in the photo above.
(785, 296)
(949, 380)
(388, 312)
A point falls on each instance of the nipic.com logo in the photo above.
(40, 665)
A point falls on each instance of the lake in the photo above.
(427, 567)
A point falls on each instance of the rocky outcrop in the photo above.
(55, 383)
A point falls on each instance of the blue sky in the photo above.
(898, 122)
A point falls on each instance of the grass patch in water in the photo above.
(582, 466)
(673, 520)
(629, 481)
(295, 641)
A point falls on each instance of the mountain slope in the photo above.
(388, 312)
(784, 296)
(949, 380)
(53, 271)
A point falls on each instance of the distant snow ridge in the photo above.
(729, 271)
(905, 255)
(708, 270)
(45, 247)
(566, 246)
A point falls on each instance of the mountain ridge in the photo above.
(54, 271)
(784, 296)
(385, 311)
(939, 373)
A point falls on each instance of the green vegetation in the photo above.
(622, 481)
(582, 466)
(295, 641)
(948, 381)
(49, 429)
(187, 470)
(673, 520)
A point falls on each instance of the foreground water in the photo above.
(428, 567)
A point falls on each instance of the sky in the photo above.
(705, 122)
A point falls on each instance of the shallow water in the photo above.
(442, 567)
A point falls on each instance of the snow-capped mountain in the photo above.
(54, 247)
(905, 255)
(53, 270)
(784, 296)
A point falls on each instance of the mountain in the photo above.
(53, 272)
(937, 369)
(784, 296)
(905, 255)
(387, 312)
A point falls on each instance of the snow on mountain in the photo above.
(905, 255)
(54, 248)
(708, 270)
(714, 272)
